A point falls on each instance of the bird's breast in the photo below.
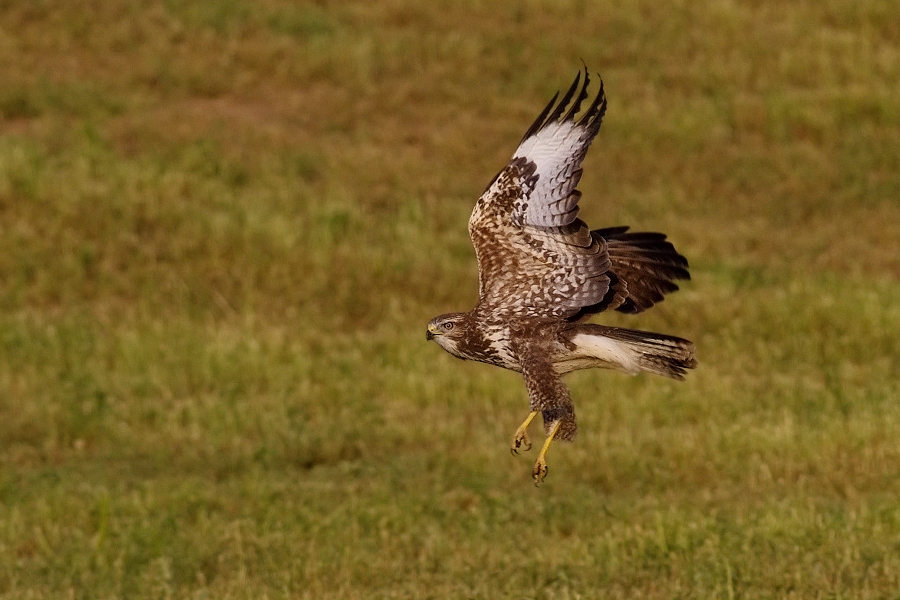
(491, 345)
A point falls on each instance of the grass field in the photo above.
(224, 225)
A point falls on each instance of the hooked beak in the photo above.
(431, 332)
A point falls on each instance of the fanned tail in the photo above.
(628, 350)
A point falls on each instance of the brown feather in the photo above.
(643, 269)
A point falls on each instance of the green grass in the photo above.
(224, 225)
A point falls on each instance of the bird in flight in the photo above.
(542, 272)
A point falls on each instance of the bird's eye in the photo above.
(447, 326)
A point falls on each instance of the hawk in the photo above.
(542, 271)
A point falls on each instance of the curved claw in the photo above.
(539, 472)
(521, 441)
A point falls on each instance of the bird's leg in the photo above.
(540, 466)
(521, 438)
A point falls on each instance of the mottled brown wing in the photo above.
(535, 257)
(643, 269)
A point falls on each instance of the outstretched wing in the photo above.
(535, 257)
(643, 269)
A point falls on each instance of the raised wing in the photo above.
(535, 257)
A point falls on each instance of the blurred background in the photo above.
(225, 224)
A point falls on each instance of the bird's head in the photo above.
(447, 330)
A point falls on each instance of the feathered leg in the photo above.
(548, 395)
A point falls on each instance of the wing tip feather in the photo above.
(554, 111)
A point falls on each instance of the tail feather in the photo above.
(629, 350)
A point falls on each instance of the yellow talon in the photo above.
(521, 439)
(540, 466)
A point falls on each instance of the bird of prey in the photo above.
(542, 271)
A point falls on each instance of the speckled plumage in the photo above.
(542, 271)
